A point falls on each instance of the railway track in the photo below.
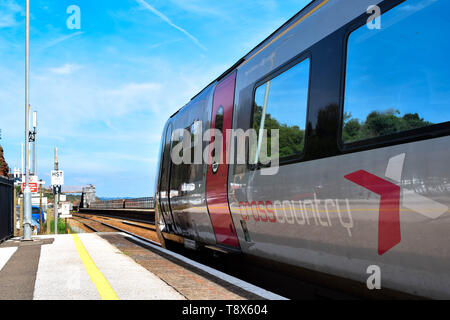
(142, 230)
(144, 216)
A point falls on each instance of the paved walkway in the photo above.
(75, 267)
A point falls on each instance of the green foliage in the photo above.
(380, 124)
(291, 138)
(61, 226)
(351, 130)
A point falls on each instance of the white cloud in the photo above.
(163, 17)
(66, 69)
(130, 97)
(9, 11)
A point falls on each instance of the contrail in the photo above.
(168, 21)
(61, 39)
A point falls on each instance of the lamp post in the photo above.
(27, 191)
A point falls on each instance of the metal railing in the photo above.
(139, 203)
(6, 209)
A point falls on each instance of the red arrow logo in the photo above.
(389, 234)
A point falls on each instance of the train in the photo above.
(323, 152)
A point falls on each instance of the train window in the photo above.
(218, 126)
(397, 75)
(219, 119)
(181, 172)
(196, 170)
(196, 133)
(281, 104)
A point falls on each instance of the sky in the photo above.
(288, 95)
(104, 92)
(403, 66)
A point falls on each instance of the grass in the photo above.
(61, 226)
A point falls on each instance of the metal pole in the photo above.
(34, 143)
(40, 206)
(21, 217)
(56, 200)
(34, 161)
(27, 191)
(15, 212)
(55, 213)
(263, 122)
(48, 222)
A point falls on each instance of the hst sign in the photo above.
(57, 178)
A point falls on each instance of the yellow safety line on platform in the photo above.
(103, 287)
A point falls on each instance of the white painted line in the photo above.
(5, 255)
(218, 274)
(107, 233)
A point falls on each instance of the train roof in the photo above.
(307, 9)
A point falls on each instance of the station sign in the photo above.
(64, 211)
(33, 187)
(57, 178)
(33, 183)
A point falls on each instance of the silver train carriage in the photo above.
(357, 93)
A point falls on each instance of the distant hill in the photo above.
(115, 198)
(76, 199)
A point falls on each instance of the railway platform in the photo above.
(106, 266)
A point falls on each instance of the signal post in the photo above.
(57, 182)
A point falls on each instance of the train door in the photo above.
(165, 179)
(217, 176)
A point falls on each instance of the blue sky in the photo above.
(288, 96)
(404, 66)
(104, 92)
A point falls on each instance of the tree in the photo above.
(4, 168)
(291, 138)
(413, 121)
(351, 130)
(379, 124)
(382, 124)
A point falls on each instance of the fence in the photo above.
(6, 209)
(140, 203)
